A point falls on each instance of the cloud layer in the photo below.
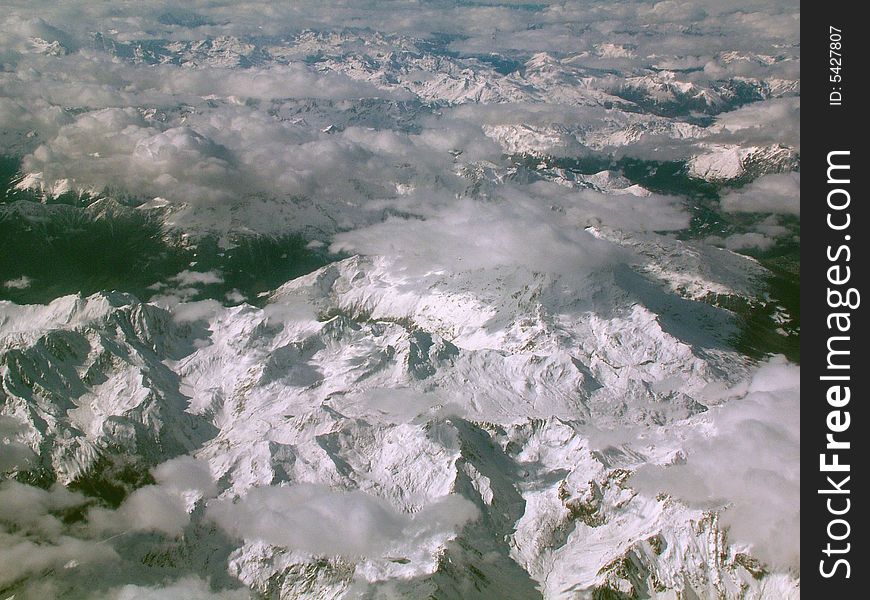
(747, 459)
(216, 107)
(780, 194)
(316, 519)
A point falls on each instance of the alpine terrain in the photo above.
(439, 300)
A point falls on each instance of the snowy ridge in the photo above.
(480, 387)
(734, 162)
(91, 378)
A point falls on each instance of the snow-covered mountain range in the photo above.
(486, 392)
(443, 301)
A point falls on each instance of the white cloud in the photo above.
(779, 193)
(187, 286)
(185, 474)
(771, 226)
(316, 519)
(771, 121)
(188, 277)
(118, 149)
(278, 82)
(234, 296)
(14, 455)
(744, 241)
(186, 312)
(188, 588)
(205, 132)
(28, 507)
(21, 557)
(32, 539)
(749, 462)
(149, 508)
(540, 227)
(21, 283)
(162, 508)
(472, 235)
